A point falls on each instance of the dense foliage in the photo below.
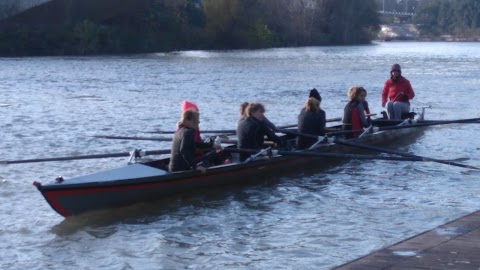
(192, 24)
(459, 18)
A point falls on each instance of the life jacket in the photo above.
(347, 113)
(351, 118)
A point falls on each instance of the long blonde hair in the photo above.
(312, 105)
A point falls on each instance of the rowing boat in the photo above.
(143, 181)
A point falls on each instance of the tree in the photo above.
(351, 22)
(459, 18)
(221, 18)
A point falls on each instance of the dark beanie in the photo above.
(396, 67)
(314, 93)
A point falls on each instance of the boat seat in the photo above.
(409, 115)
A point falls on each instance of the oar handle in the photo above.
(233, 131)
(133, 138)
(202, 131)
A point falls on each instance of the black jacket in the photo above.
(312, 123)
(251, 135)
(183, 150)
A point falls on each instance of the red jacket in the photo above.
(393, 90)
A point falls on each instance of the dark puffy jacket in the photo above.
(312, 123)
(251, 135)
(183, 150)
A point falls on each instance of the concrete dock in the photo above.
(455, 245)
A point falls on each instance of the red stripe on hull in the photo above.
(53, 196)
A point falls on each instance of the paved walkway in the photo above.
(455, 245)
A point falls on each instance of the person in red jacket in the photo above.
(355, 114)
(398, 91)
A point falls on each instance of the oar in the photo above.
(385, 150)
(328, 120)
(418, 124)
(221, 131)
(212, 131)
(111, 155)
(390, 151)
(323, 155)
(441, 121)
(133, 138)
(222, 140)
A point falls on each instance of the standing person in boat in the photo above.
(356, 111)
(244, 115)
(183, 143)
(399, 91)
(312, 121)
(251, 132)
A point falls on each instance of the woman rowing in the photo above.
(183, 143)
(189, 105)
(201, 146)
(244, 115)
(356, 111)
(311, 120)
(252, 130)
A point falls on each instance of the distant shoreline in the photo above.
(409, 32)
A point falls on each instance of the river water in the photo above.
(53, 106)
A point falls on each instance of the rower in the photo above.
(311, 120)
(355, 114)
(183, 143)
(399, 91)
(251, 132)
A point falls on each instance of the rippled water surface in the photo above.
(53, 106)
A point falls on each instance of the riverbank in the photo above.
(451, 246)
(398, 32)
(89, 27)
(411, 32)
